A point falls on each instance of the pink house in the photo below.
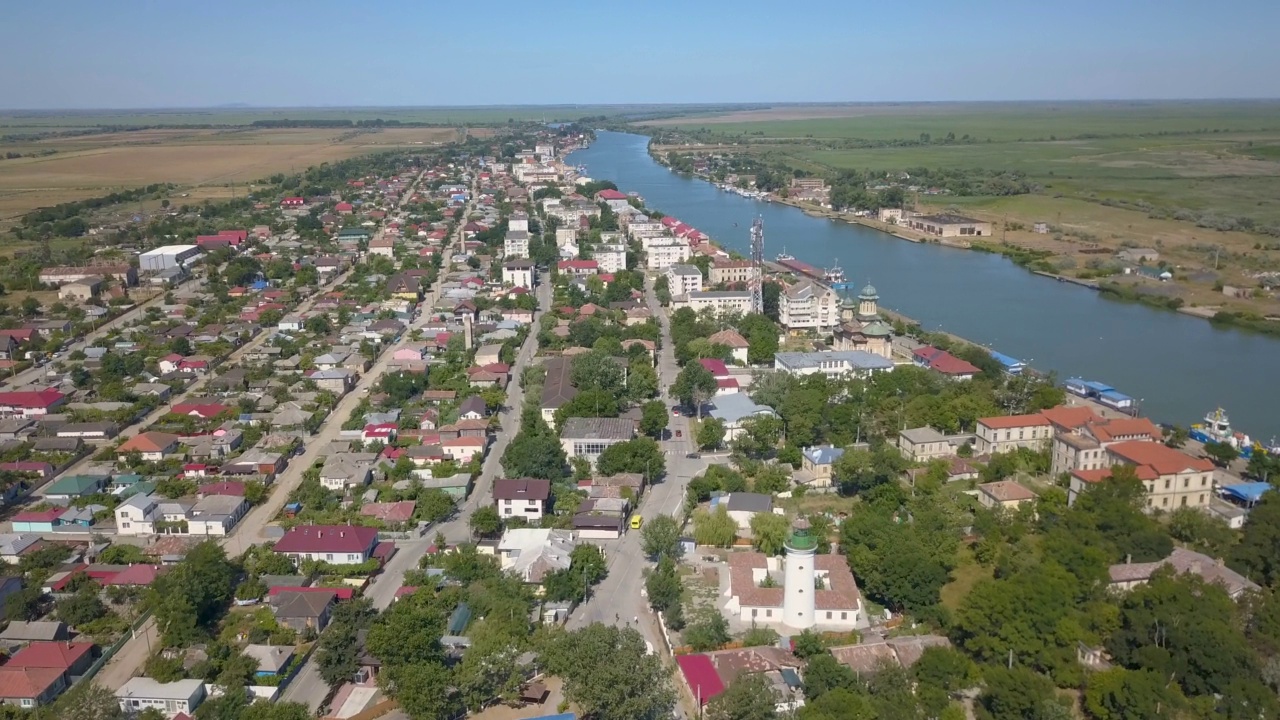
(464, 448)
(407, 354)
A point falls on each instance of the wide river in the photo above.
(1179, 366)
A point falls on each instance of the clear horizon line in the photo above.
(230, 107)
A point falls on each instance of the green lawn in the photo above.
(967, 574)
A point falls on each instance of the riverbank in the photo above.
(1053, 326)
(1039, 262)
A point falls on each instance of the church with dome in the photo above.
(861, 327)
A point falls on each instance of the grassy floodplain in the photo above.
(1163, 174)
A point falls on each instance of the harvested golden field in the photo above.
(93, 165)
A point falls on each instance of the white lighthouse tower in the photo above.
(798, 588)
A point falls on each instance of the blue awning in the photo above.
(1008, 362)
(1097, 386)
(1250, 492)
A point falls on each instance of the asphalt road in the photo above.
(617, 600)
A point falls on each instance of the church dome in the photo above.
(869, 292)
(877, 328)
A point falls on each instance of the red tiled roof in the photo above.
(149, 442)
(327, 539)
(139, 575)
(1161, 458)
(31, 399)
(54, 655)
(949, 364)
(700, 673)
(611, 195)
(1070, 417)
(205, 411)
(232, 488)
(18, 682)
(394, 512)
(715, 366)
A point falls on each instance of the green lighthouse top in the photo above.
(801, 537)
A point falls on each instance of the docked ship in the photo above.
(834, 274)
(783, 256)
(1217, 428)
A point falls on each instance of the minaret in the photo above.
(798, 578)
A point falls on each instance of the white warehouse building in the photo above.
(168, 256)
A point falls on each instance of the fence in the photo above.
(115, 647)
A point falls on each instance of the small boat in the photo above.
(784, 256)
(834, 274)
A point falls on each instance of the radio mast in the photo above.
(757, 266)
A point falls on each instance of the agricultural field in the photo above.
(22, 122)
(205, 162)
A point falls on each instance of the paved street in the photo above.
(617, 600)
(308, 687)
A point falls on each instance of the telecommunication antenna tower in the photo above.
(757, 265)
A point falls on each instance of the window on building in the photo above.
(768, 613)
(328, 556)
(828, 614)
(1184, 501)
(844, 616)
(1164, 502)
(1166, 484)
(1201, 499)
(754, 612)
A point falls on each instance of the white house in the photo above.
(171, 698)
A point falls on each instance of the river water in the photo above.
(1180, 367)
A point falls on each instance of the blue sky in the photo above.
(148, 53)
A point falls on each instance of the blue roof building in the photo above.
(1013, 366)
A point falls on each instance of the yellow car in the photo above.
(636, 521)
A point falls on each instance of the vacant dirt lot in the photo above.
(97, 164)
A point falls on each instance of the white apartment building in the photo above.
(516, 244)
(664, 255)
(518, 273)
(808, 305)
(610, 258)
(684, 279)
(719, 301)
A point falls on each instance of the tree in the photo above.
(485, 521)
(714, 528)
(748, 697)
(711, 433)
(694, 386)
(337, 654)
(82, 608)
(596, 370)
(640, 455)
(824, 674)
(654, 419)
(87, 701)
(769, 532)
(535, 451)
(1015, 694)
(642, 380)
(660, 538)
(192, 596)
(1222, 454)
(30, 306)
(1256, 555)
(762, 338)
(1183, 627)
(422, 689)
(709, 631)
(1119, 694)
(608, 673)
(663, 586)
